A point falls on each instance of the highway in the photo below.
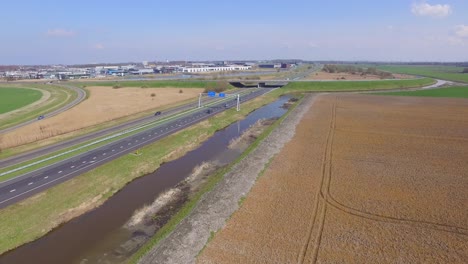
(26, 185)
(94, 135)
(81, 96)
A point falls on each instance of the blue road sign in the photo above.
(211, 94)
(222, 95)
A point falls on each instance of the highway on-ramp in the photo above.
(81, 96)
(26, 185)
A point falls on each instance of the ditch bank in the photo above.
(106, 235)
(185, 242)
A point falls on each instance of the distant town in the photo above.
(64, 72)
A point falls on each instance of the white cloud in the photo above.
(425, 9)
(456, 41)
(461, 31)
(58, 32)
(99, 46)
(312, 45)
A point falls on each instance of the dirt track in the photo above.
(366, 179)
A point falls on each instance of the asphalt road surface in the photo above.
(81, 96)
(34, 182)
(101, 133)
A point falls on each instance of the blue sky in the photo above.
(69, 32)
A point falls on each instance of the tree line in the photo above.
(334, 68)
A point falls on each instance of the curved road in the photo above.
(26, 185)
(81, 96)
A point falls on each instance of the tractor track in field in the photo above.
(324, 198)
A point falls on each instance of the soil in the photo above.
(104, 104)
(350, 77)
(211, 213)
(366, 179)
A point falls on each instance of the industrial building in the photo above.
(215, 68)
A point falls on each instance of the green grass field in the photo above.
(14, 98)
(154, 84)
(336, 86)
(455, 92)
(58, 97)
(449, 73)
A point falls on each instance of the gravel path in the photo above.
(191, 235)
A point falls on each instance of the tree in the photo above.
(465, 70)
(153, 95)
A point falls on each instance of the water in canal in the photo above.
(91, 236)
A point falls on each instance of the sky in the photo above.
(88, 31)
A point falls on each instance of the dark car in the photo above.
(157, 113)
(209, 111)
(40, 117)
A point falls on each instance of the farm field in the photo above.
(356, 85)
(450, 73)
(103, 105)
(350, 77)
(15, 98)
(455, 92)
(366, 179)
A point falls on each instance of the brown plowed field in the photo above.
(366, 179)
(104, 104)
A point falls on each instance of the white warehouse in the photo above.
(216, 68)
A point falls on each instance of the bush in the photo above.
(181, 91)
(116, 86)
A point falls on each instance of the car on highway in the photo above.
(209, 111)
(157, 113)
(40, 117)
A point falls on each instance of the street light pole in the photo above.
(199, 101)
(238, 102)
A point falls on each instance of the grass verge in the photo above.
(59, 97)
(155, 84)
(208, 186)
(36, 216)
(343, 86)
(454, 92)
(450, 73)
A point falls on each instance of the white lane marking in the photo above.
(13, 190)
(84, 162)
(30, 183)
(121, 146)
(113, 150)
(72, 167)
(60, 171)
(56, 179)
(143, 138)
(104, 154)
(46, 177)
(92, 161)
(94, 157)
(129, 144)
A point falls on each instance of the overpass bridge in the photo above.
(259, 83)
